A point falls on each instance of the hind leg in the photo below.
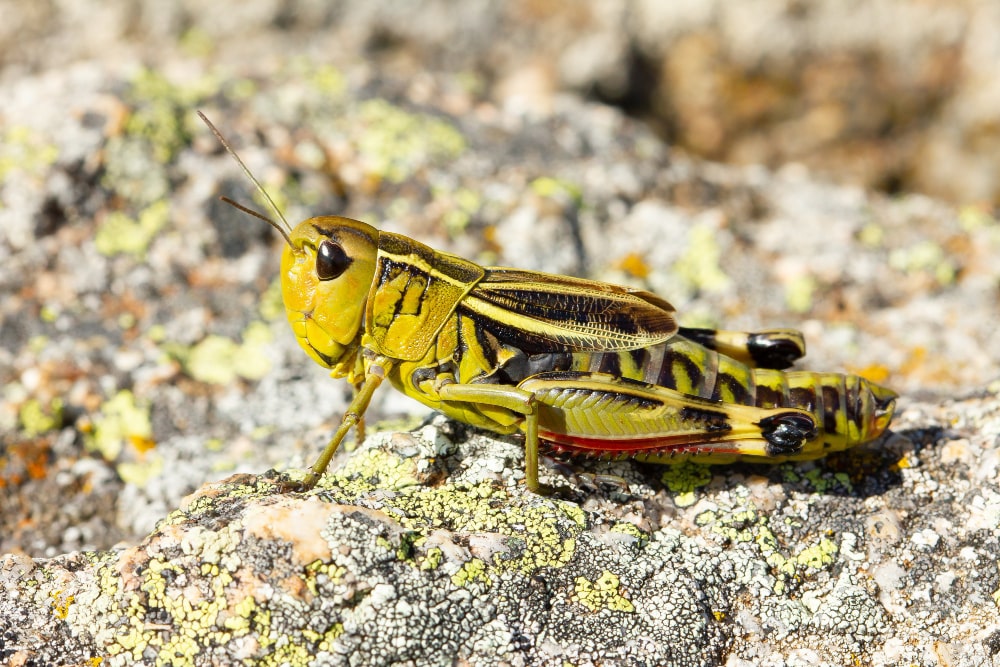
(770, 348)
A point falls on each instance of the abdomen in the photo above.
(847, 409)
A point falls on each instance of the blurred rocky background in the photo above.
(821, 165)
(893, 95)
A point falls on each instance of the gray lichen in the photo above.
(407, 566)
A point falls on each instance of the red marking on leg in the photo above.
(625, 446)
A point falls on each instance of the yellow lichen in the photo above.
(36, 418)
(604, 593)
(470, 572)
(22, 149)
(700, 265)
(123, 420)
(394, 143)
(61, 603)
(120, 234)
(220, 360)
(683, 479)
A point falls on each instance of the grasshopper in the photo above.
(588, 367)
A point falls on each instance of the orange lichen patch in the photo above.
(634, 264)
(142, 444)
(491, 240)
(915, 361)
(28, 460)
(926, 368)
(874, 372)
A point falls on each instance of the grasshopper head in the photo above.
(326, 271)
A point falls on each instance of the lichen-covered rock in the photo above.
(893, 94)
(144, 350)
(424, 548)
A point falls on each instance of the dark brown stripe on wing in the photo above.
(516, 338)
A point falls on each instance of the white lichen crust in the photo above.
(422, 550)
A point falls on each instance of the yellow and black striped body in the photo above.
(587, 366)
(608, 403)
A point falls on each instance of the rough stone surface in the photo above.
(144, 355)
(425, 548)
(900, 95)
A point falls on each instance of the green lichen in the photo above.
(48, 314)
(318, 568)
(203, 618)
(817, 556)
(119, 234)
(799, 293)
(138, 473)
(431, 559)
(539, 532)
(604, 593)
(700, 266)
(371, 469)
(744, 524)
(683, 479)
(162, 110)
(925, 257)
(459, 206)
(38, 344)
(324, 79)
(221, 360)
(37, 418)
(123, 420)
(626, 528)
(557, 188)
(207, 504)
(473, 571)
(196, 43)
(872, 235)
(157, 128)
(395, 143)
(973, 218)
(23, 150)
(823, 482)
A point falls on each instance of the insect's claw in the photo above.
(293, 481)
(546, 490)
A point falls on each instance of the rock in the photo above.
(896, 95)
(144, 352)
(425, 547)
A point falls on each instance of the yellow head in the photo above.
(326, 272)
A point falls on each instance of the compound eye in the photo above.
(331, 260)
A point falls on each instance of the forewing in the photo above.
(572, 313)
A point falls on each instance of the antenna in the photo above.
(284, 231)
